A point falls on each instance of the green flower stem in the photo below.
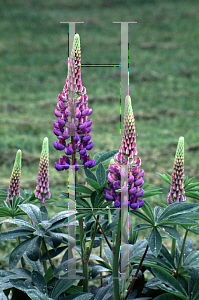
(44, 262)
(173, 246)
(104, 235)
(46, 249)
(181, 253)
(136, 273)
(86, 260)
(101, 247)
(85, 265)
(85, 275)
(22, 259)
(81, 236)
(115, 261)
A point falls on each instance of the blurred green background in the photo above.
(164, 82)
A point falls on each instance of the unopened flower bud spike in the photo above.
(42, 189)
(14, 186)
(177, 193)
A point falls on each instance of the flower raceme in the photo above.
(14, 186)
(177, 193)
(72, 112)
(42, 189)
(126, 157)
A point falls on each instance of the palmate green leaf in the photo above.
(21, 284)
(15, 232)
(157, 212)
(19, 222)
(39, 281)
(28, 288)
(97, 269)
(167, 296)
(145, 185)
(193, 185)
(170, 231)
(152, 192)
(188, 181)
(168, 176)
(151, 261)
(187, 247)
(18, 252)
(101, 174)
(194, 189)
(148, 210)
(44, 213)
(164, 177)
(155, 242)
(194, 229)
(83, 213)
(142, 216)
(93, 196)
(4, 191)
(177, 208)
(37, 295)
(192, 215)
(193, 194)
(5, 211)
(49, 274)
(102, 157)
(58, 217)
(195, 291)
(165, 253)
(93, 183)
(141, 227)
(82, 203)
(192, 259)
(53, 253)
(15, 201)
(97, 200)
(89, 174)
(33, 212)
(33, 249)
(56, 238)
(83, 189)
(79, 296)
(170, 280)
(178, 221)
(97, 156)
(61, 286)
(35, 265)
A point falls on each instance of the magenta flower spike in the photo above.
(126, 156)
(177, 193)
(72, 112)
(14, 186)
(42, 189)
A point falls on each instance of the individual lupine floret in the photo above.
(42, 189)
(177, 193)
(72, 112)
(126, 156)
(14, 186)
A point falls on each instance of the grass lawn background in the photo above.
(164, 81)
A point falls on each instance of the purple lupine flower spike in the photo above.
(72, 112)
(177, 193)
(14, 186)
(42, 189)
(126, 156)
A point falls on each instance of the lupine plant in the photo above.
(142, 268)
